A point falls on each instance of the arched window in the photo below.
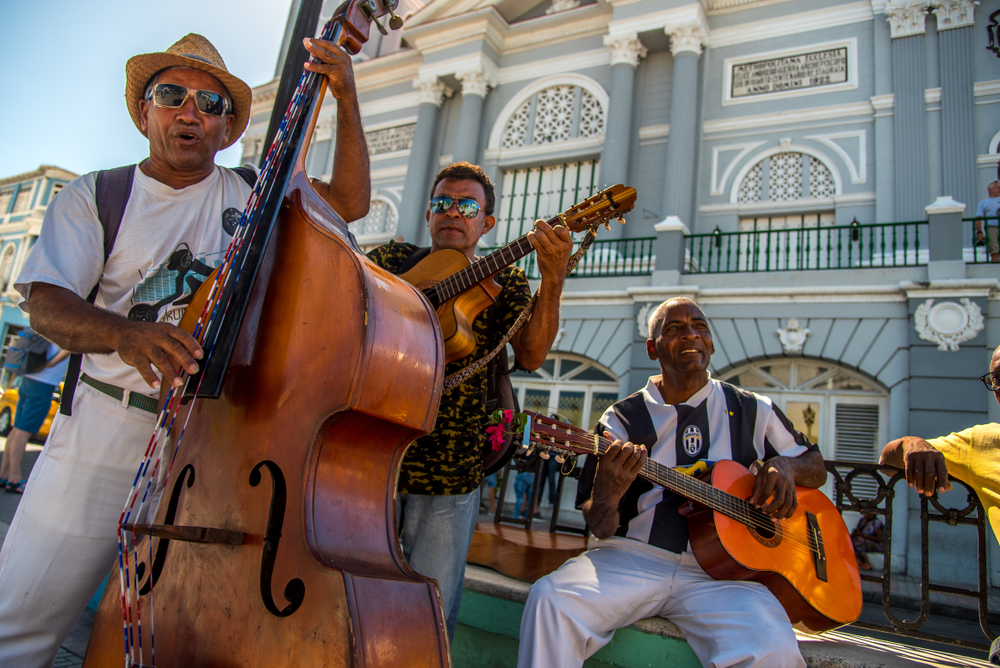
(787, 176)
(380, 224)
(6, 264)
(554, 114)
(574, 387)
(841, 410)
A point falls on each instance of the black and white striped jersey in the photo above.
(719, 422)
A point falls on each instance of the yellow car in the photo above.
(8, 404)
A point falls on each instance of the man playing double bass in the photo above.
(63, 539)
(441, 472)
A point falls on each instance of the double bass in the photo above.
(275, 541)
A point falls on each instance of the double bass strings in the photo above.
(213, 309)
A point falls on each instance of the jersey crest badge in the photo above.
(692, 440)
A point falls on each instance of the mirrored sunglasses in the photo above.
(467, 207)
(172, 96)
(991, 380)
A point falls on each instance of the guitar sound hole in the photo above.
(765, 530)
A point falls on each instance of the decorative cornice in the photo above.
(953, 13)
(906, 18)
(687, 38)
(475, 82)
(432, 91)
(625, 50)
(562, 6)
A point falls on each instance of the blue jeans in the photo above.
(522, 486)
(436, 534)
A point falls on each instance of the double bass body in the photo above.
(337, 367)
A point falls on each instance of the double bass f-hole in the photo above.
(187, 474)
(295, 590)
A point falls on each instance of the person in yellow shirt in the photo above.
(972, 456)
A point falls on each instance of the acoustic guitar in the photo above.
(806, 560)
(460, 290)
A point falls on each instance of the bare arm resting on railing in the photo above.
(924, 466)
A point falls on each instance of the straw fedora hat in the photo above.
(195, 51)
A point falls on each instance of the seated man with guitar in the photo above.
(440, 475)
(643, 564)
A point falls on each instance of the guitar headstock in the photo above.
(610, 203)
(551, 436)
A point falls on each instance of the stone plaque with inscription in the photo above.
(777, 75)
(387, 140)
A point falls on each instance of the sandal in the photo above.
(16, 487)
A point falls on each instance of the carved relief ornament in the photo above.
(687, 38)
(562, 6)
(906, 18)
(432, 91)
(793, 336)
(626, 50)
(948, 323)
(953, 13)
(642, 320)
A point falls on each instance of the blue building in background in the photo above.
(23, 200)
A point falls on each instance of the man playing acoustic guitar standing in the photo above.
(643, 565)
(440, 476)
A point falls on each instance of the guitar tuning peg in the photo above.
(561, 459)
(544, 455)
(621, 220)
(607, 226)
(380, 27)
(395, 22)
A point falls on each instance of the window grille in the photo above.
(787, 179)
(554, 114)
(23, 200)
(541, 192)
(5, 198)
(381, 220)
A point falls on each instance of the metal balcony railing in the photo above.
(608, 257)
(978, 254)
(807, 247)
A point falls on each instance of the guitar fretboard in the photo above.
(482, 268)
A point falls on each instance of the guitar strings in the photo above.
(738, 509)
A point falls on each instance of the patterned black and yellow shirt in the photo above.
(449, 460)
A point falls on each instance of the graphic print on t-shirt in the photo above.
(171, 285)
(693, 436)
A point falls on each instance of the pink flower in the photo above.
(508, 416)
(497, 436)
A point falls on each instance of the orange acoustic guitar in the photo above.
(460, 290)
(806, 560)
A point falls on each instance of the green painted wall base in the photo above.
(488, 629)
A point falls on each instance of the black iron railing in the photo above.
(979, 252)
(605, 258)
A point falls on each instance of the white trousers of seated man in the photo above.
(63, 540)
(574, 612)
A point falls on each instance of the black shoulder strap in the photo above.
(247, 174)
(111, 192)
(411, 262)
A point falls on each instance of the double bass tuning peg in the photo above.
(394, 22)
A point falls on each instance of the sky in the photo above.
(62, 72)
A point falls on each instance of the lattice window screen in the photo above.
(857, 441)
(23, 200)
(541, 192)
(785, 181)
(381, 219)
(750, 189)
(821, 182)
(5, 197)
(554, 114)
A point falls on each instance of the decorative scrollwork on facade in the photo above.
(432, 91)
(475, 82)
(642, 320)
(562, 6)
(553, 115)
(750, 187)
(906, 18)
(793, 336)
(382, 219)
(591, 115)
(550, 114)
(949, 323)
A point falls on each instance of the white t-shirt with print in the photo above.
(168, 242)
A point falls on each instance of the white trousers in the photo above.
(573, 612)
(63, 539)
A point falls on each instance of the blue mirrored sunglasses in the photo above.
(469, 208)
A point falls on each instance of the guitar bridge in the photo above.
(816, 546)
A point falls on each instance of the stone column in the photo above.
(678, 188)
(625, 54)
(906, 25)
(882, 102)
(958, 141)
(419, 168)
(475, 85)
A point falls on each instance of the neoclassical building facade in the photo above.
(803, 168)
